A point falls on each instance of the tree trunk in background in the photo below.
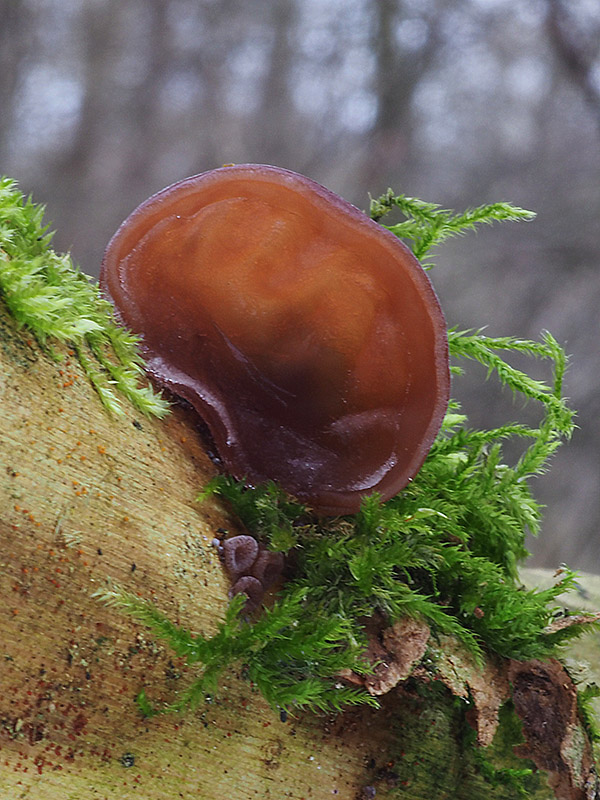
(82, 177)
(276, 107)
(398, 75)
(14, 21)
(85, 499)
(576, 55)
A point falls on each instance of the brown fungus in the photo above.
(306, 335)
(239, 554)
(252, 588)
(268, 568)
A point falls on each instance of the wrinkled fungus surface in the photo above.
(251, 567)
(307, 336)
(252, 588)
(239, 553)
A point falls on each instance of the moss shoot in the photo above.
(49, 296)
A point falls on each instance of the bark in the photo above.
(85, 498)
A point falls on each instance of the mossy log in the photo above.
(86, 498)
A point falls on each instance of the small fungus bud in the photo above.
(252, 588)
(268, 568)
(240, 553)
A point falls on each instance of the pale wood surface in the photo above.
(85, 498)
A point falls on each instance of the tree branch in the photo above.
(86, 499)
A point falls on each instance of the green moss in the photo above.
(432, 752)
(427, 224)
(49, 296)
(497, 768)
(585, 701)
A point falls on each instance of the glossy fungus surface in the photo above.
(306, 335)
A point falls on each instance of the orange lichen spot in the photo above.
(101, 449)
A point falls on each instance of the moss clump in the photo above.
(55, 301)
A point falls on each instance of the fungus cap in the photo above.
(307, 336)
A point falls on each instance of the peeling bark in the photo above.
(545, 699)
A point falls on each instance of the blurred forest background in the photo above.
(459, 102)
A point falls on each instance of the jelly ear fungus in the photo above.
(252, 568)
(307, 336)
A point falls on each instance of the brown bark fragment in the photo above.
(545, 699)
(402, 646)
(487, 686)
(394, 651)
(577, 619)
